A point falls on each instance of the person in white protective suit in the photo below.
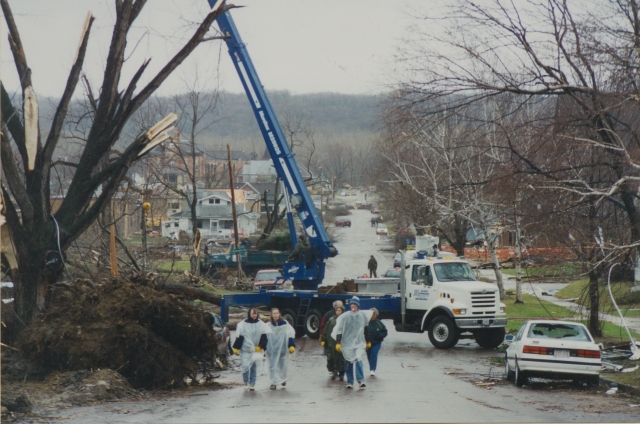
(281, 344)
(251, 341)
(352, 340)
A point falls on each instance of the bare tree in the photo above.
(582, 62)
(27, 158)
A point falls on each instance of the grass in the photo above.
(628, 301)
(534, 308)
(178, 266)
(552, 272)
(631, 378)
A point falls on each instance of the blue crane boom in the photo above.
(308, 273)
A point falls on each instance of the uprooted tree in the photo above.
(27, 152)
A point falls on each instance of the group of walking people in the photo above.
(276, 338)
(345, 335)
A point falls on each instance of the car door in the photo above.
(420, 291)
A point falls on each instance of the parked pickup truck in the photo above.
(250, 259)
(343, 222)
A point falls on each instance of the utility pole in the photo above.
(518, 259)
(143, 227)
(235, 216)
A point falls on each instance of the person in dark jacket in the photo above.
(373, 266)
(333, 356)
(251, 339)
(301, 251)
(328, 352)
(377, 332)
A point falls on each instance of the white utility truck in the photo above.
(441, 294)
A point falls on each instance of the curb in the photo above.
(623, 388)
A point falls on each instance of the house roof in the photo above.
(259, 167)
(222, 155)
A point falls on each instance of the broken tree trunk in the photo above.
(189, 291)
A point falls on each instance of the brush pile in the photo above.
(152, 338)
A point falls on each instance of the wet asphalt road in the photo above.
(414, 383)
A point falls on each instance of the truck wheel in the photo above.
(291, 317)
(312, 324)
(443, 334)
(490, 338)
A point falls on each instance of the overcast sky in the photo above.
(304, 46)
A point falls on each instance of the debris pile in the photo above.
(152, 338)
(347, 286)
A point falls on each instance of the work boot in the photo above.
(334, 376)
(342, 376)
(284, 384)
(272, 387)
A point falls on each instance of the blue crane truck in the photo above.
(436, 294)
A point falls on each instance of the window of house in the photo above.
(175, 224)
(226, 224)
(174, 206)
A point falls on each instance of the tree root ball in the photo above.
(151, 338)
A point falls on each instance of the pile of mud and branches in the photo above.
(152, 338)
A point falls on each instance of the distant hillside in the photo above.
(328, 113)
(332, 116)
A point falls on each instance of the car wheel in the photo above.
(442, 333)
(508, 373)
(490, 338)
(520, 378)
(291, 317)
(312, 324)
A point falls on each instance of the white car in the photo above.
(382, 229)
(553, 349)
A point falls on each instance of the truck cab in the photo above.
(444, 297)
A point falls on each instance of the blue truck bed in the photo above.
(305, 308)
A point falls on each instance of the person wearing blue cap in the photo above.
(352, 340)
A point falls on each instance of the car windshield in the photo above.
(397, 257)
(267, 276)
(558, 331)
(382, 226)
(454, 271)
(392, 273)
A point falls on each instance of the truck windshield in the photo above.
(454, 271)
(267, 276)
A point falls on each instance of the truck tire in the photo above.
(490, 338)
(443, 333)
(291, 317)
(312, 324)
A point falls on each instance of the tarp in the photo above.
(351, 325)
(277, 352)
(251, 333)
